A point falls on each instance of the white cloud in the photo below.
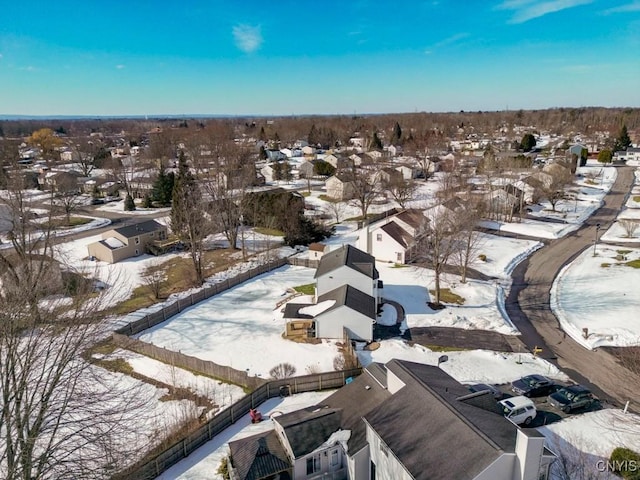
(450, 40)
(628, 8)
(525, 10)
(247, 38)
(120, 67)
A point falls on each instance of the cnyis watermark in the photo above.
(618, 465)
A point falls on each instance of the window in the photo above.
(137, 240)
(398, 256)
(378, 237)
(313, 464)
(335, 458)
(137, 252)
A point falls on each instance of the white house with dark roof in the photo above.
(342, 308)
(401, 420)
(348, 265)
(395, 238)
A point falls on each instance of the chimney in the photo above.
(529, 448)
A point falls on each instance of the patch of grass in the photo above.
(400, 265)
(636, 198)
(605, 265)
(106, 347)
(326, 198)
(269, 231)
(634, 263)
(482, 257)
(179, 277)
(441, 348)
(118, 365)
(623, 252)
(447, 296)
(62, 222)
(305, 194)
(308, 289)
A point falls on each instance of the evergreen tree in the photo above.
(528, 142)
(376, 143)
(129, 204)
(397, 134)
(605, 156)
(147, 202)
(162, 190)
(263, 153)
(314, 137)
(263, 136)
(623, 141)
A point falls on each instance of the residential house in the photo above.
(395, 238)
(356, 159)
(345, 307)
(389, 175)
(577, 150)
(317, 250)
(338, 188)
(348, 265)
(127, 241)
(267, 172)
(630, 153)
(305, 169)
(407, 172)
(400, 420)
(308, 151)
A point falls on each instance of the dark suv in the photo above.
(571, 398)
(532, 386)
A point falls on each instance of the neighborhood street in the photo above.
(528, 306)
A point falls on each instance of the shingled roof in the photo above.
(399, 234)
(259, 456)
(353, 298)
(434, 409)
(351, 257)
(139, 228)
(309, 428)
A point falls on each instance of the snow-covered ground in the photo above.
(598, 293)
(241, 328)
(467, 366)
(585, 442)
(204, 462)
(627, 227)
(503, 254)
(220, 393)
(410, 287)
(119, 207)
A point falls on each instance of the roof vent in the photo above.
(367, 387)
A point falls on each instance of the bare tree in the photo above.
(85, 156)
(336, 209)
(67, 194)
(401, 190)
(555, 190)
(469, 241)
(437, 247)
(366, 186)
(154, 278)
(56, 408)
(630, 226)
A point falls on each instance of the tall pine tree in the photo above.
(162, 191)
(623, 141)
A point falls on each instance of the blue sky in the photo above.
(283, 57)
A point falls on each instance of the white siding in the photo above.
(387, 465)
(393, 382)
(331, 323)
(324, 459)
(359, 465)
(502, 469)
(345, 276)
(385, 248)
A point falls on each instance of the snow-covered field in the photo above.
(241, 328)
(627, 227)
(599, 293)
(585, 442)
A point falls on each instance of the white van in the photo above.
(520, 410)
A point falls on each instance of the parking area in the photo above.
(546, 413)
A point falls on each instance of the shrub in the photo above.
(282, 370)
(482, 257)
(223, 469)
(626, 463)
(129, 204)
(605, 265)
(147, 203)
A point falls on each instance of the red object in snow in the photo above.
(255, 415)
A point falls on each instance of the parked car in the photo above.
(481, 387)
(532, 386)
(571, 398)
(520, 410)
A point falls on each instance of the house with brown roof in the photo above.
(127, 241)
(400, 420)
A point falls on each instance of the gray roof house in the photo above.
(127, 241)
(347, 264)
(405, 420)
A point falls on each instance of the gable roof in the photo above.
(259, 456)
(351, 257)
(412, 217)
(140, 228)
(397, 233)
(433, 408)
(309, 428)
(351, 297)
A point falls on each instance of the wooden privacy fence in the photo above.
(151, 467)
(188, 362)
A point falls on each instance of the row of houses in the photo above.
(399, 420)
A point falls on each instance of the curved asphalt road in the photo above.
(528, 306)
